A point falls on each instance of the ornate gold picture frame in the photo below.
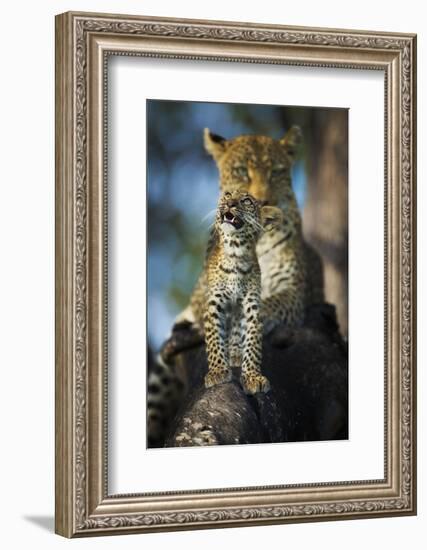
(84, 43)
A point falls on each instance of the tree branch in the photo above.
(308, 372)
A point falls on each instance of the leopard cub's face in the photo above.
(238, 214)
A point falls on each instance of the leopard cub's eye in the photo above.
(240, 172)
(247, 201)
(227, 195)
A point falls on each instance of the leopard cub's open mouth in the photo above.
(232, 219)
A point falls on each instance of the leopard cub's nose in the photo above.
(231, 203)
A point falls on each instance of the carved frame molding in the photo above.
(83, 44)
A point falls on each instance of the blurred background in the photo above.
(182, 192)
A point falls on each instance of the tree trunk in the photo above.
(325, 217)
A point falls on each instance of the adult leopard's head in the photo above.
(259, 165)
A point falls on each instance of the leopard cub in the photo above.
(228, 309)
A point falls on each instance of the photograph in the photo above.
(247, 282)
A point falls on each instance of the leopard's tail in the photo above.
(164, 393)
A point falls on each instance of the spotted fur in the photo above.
(230, 300)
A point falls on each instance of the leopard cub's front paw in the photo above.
(255, 383)
(218, 375)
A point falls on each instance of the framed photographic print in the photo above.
(235, 274)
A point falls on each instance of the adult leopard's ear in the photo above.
(271, 216)
(292, 140)
(215, 145)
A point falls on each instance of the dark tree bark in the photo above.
(325, 217)
(307, 369)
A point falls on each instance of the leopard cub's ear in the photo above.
(215, 145)
(292, 140)
(271, 217)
